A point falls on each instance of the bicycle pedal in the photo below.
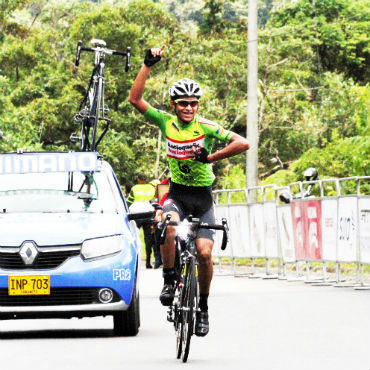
(108, 120)
(74, 138)
(170, 316)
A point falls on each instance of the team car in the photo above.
(69, 246)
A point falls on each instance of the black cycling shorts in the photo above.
(192, 200)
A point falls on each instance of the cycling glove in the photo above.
(150, 60)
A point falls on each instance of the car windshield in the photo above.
(58, 192)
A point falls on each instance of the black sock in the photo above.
(203, 302)
(169, 275)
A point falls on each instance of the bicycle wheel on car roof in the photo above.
(90, 116)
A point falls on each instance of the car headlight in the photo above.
(99, 247)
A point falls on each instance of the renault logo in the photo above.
(28, 252)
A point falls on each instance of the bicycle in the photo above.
(92, 108)
(183, 310)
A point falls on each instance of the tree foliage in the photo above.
(313, 68)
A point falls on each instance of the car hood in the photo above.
(57, 228)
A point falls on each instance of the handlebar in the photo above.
(126, 53)
(196, 224)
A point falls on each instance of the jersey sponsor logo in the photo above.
(169, 202)
(184, 167)
(161, 111)
(183, 149)
(220, 131)
(175, 126)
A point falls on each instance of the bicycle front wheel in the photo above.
(188, 309)
(178, 329)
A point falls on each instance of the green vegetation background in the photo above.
(314, 74)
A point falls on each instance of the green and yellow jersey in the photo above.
(180, 139)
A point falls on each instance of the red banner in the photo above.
(306, 217)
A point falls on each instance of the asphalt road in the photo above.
(255, 324)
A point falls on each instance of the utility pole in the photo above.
(252, 117)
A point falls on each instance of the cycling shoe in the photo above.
(201, 324)
(167, 295)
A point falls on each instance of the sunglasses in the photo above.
(185, 103)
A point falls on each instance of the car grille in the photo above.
(58, 296)
(47, 258)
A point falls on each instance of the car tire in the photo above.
(127, 323)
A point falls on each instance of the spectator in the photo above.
(139, 200)
(127, 189)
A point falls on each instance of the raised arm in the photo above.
(136, 93)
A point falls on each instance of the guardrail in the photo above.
(331, 226)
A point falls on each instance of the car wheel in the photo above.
(127, 323)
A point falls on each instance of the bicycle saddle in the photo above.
(98, 43)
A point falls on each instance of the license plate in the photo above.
(29, 285)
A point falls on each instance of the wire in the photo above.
(302, 89)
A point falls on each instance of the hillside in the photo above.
(314, 73)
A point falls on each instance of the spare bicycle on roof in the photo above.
(92, 108)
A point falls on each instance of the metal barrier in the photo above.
(331, 226)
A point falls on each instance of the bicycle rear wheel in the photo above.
(188, 309)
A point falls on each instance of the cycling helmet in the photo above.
(185, 88)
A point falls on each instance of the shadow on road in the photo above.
(57, 334)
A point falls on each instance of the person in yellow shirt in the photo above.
(139, 198)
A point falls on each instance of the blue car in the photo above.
(68, 245)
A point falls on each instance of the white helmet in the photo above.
(185, 88)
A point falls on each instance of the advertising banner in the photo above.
(312, 227)
(286, 234)
(329, 214)
(270, 230)
(306, 217)
(364, 222)
(239, 228)
(47, 162)
(298, 229)
(347, 229)
(256, 227)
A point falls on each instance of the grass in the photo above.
(346, 268)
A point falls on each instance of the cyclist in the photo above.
(188, 141)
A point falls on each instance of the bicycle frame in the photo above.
(92, 108)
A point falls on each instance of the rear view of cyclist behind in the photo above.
(188, 142)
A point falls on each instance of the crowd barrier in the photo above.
(332, 226)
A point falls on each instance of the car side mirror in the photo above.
(141, 216)
(156, 206)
